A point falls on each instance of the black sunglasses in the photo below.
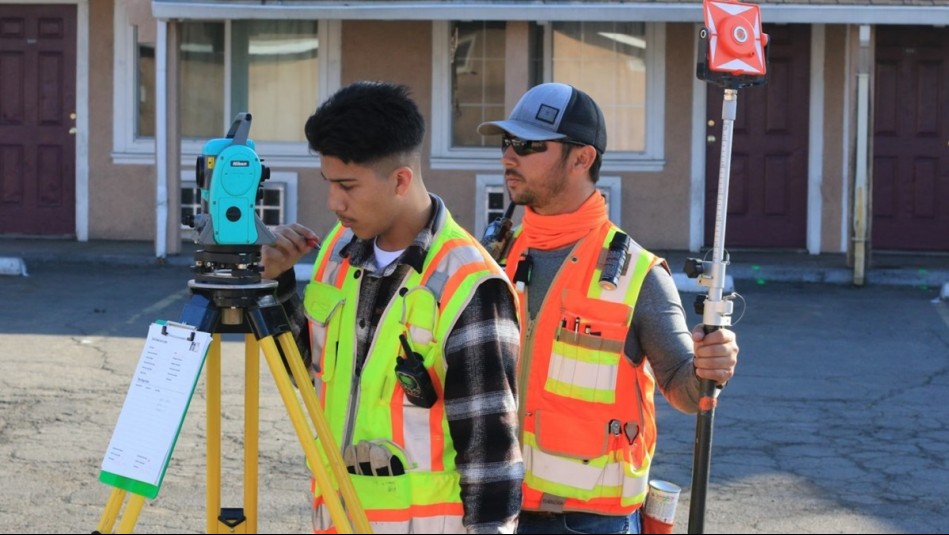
(523, 147)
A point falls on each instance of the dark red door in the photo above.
(767, 198)
(910, 175)
(37, 111)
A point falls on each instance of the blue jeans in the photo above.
(535, 522)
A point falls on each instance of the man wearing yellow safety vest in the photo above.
(410, 328)
(591, 353)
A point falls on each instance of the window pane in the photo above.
(145, 90)
(495, 203)
(201, 101)
(276, 75)
(201, 104)
(270, 208)
(477, 85)
(607, 60)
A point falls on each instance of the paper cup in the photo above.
(661, 501)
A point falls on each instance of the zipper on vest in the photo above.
(524, 367)
(355, 386)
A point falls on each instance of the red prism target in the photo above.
(736, 42)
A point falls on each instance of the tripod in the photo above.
(228, 296)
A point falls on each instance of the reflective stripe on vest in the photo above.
(588, 433)
(427, 498)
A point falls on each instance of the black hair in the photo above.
(594, 167)
(366, 122)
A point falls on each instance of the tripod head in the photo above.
(230, 176)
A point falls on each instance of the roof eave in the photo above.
(588, 11)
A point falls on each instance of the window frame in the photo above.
(129, 149)
(445, 156)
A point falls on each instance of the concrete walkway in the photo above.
(904, 269)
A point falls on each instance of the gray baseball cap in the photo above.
(553, 111)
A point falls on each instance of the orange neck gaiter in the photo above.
(548, 232)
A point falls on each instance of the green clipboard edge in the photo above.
(139, 487)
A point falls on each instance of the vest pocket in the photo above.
(585, 355)
(572, 457)
(321, 304)
(416, 502)
(583, 458)
(569, 436)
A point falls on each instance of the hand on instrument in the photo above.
(293, 241)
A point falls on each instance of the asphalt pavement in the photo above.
(836, 421)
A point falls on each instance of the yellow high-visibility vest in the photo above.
(372, 406)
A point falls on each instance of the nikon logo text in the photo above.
(240, 163)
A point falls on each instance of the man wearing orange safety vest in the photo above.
(411, 328)
(602, 326)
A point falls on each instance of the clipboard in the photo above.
(154, 409)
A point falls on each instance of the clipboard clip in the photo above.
(190, 329)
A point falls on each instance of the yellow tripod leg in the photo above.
(114, 506)
(302, 377)
(305, 434)
(213, 380)
(251, 430)
(132, 509)
(245, 520)
(242, 520)
(111, 512)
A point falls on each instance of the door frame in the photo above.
(815, 144)
(897, 234)
(82, 108)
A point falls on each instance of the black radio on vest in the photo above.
(615, 261)
(414, 378)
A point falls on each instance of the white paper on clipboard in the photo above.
(156, 403)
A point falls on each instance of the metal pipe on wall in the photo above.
(861, 179)
(161, 138)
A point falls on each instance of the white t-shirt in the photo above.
(384, 258)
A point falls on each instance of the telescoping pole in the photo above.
(732, 54)
(716, 314)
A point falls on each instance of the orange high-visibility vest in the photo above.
(587, 413)
(370, 404)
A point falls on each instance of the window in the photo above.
(270, 207)
(491, 200)
(201, 56)
(496, 202)
(620, 64)
(607, 61)
(275, 69)
(145, 89)
(201, 74)
(468, 79)
(477, 80)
